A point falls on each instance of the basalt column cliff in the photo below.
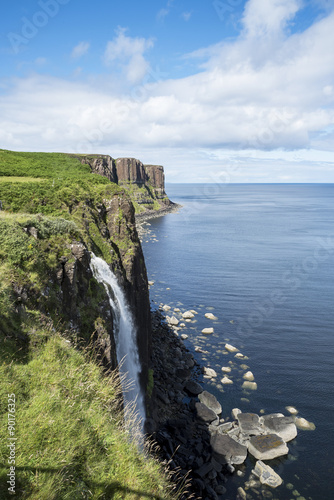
(146, 183)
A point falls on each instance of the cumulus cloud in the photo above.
(261, 103)
(129, 53)
(80, 50)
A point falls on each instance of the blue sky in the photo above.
(216, 91)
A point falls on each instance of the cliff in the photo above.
(51, 219)
(145, 183)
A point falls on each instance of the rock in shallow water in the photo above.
(249, 385)
(267, 475)
(249, 423)
(226, 450)
(231, 348)
(249, 376)
(204, 413)
(210, 372)
(211, 316)
(207, 331)
(188, 315)
(267, 447)
(193, 387)
(226, 380)
(304, 425)
(210, 401)
(282, 426)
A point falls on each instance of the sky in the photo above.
(213, 90)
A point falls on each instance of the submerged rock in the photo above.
(267, 447)
(231, 348)
(211, 316)
(226, 369)
(249, 385)
(304, 424)
(267, 475)
(207, 331)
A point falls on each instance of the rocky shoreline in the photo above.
(198, 445)
(153, 214)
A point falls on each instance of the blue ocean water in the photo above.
(260, 258)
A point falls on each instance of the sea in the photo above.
(260, 258)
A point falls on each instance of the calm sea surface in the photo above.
(260, 258)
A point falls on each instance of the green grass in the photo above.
(20, 179)
(71, 442)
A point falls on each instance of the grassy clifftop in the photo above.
(71, 442)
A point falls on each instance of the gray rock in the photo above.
(241, 494)
(193, 387)
(249, 423)
(204, 470)
(267, 447)
(227, 450)
(210, 401)
(282, 426)
(267, 475)
(204, 413)
(225, 427)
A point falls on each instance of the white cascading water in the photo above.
(125, 336)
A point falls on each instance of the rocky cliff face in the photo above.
(64, 290)
(132, 174)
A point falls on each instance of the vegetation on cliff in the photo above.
(56, 331)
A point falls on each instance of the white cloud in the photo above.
(80, 50)
(186, 15)
(129, 53)
(264, 99)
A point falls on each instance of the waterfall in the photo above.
(125, 336)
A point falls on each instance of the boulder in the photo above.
(184, 336)
(227, 450)
(267, 475)
(172, 320)
(193, 387)
(304, 425)
(211, 316)
(267, 447)
(235, 412)
(188, 315)
(292, 410)
(210, 401)
(249, 376)
(226, 380)
(250, 424)
(226, 369)
(249, 385)
(204, 413)
(282, 426)
(207, 331)
(231, 348)
(210, 372)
